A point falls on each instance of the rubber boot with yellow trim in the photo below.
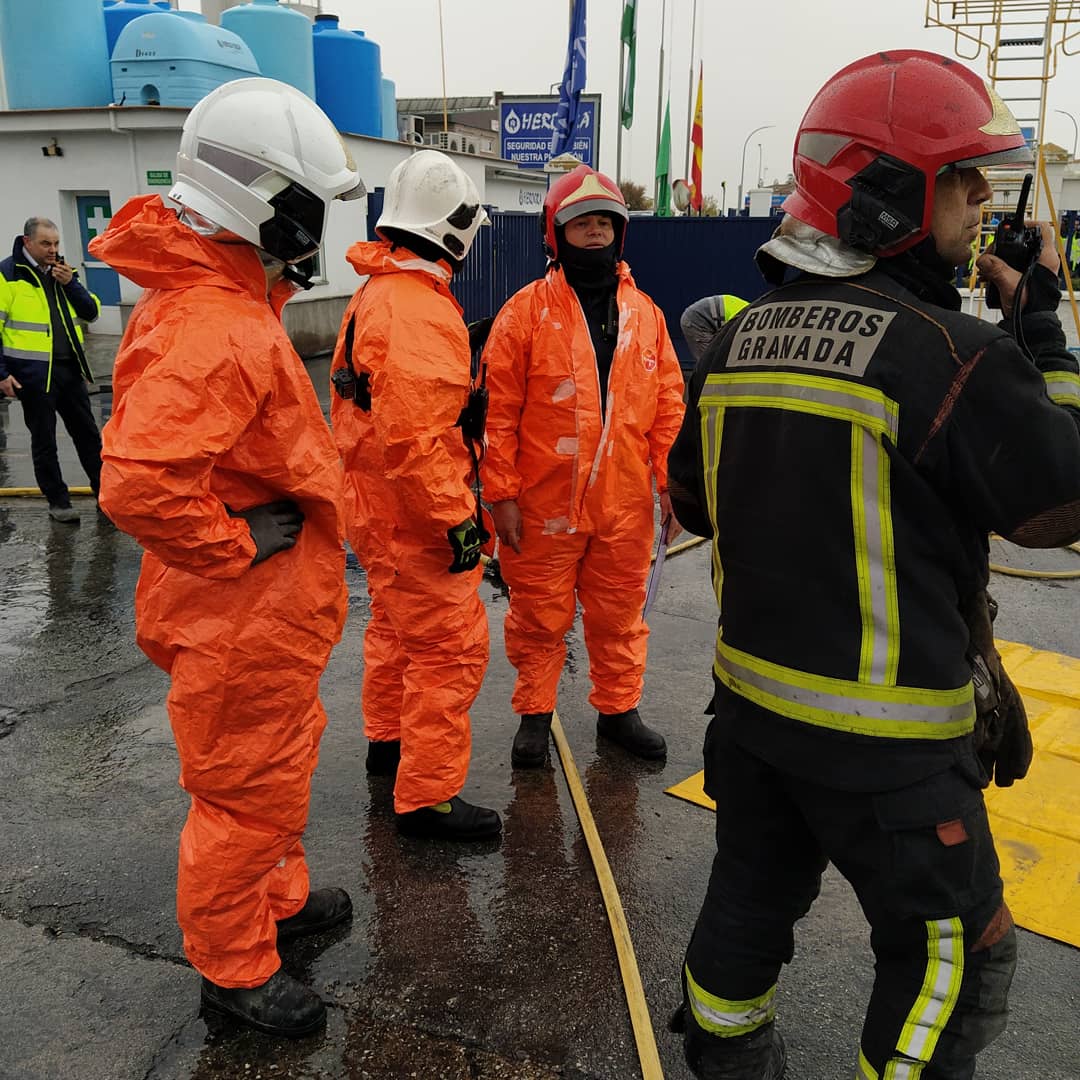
(454, 819)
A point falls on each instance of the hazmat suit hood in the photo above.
(381, 257)
(147, 243)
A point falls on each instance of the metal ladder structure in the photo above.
(1024, 40)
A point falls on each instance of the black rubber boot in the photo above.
(761, 1055)
(628, 730)
(531, 741)
(323, 909)
(452, 820)
(281, 1006)
(383, 757)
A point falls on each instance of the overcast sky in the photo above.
(763, 62)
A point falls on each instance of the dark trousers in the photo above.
(922, 862)
(67, 398)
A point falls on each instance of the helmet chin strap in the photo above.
(297, 276)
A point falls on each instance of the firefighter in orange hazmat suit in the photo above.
(586, 399)
(218, 461)
(401, 379)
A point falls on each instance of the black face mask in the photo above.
(588, 268)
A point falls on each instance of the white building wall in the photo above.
(111, 151)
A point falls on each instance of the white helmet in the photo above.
(430, 196)
(262, 160)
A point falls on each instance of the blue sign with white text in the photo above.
(525, 129)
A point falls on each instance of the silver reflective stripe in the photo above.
(935, 1003)
(1063, 388)
(838, 710)
(806, 393)
(728, 1019)
(3, 315)
(19, 324)
(712, 430)
(875, 558)
(26, 354)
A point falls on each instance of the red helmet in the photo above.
(583, 191)
(878, 133)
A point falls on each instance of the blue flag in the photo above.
(573, 83)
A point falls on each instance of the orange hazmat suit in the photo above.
(407, 474)
(582, 480)
(214, 411)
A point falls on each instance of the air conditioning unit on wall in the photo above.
(412, 129)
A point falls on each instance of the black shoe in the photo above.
(324, 908)
(628, 730)
(531, 741)
(383, 757)
(452, 820)
(281, 1006)
(760, 1055)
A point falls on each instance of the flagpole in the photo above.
(442, 58)
(619, 123)
(660, 99)
(690, 87)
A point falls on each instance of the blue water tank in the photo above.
(348, 77)
(389, 109)
(118, 13)
(280, 40)
(160, 59)
(55, 54)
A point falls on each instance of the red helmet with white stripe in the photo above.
(879, 132)
(583, 191)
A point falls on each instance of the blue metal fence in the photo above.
(675, 260)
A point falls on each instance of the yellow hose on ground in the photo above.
(31, 492)
(624, 947)
(1038, 575)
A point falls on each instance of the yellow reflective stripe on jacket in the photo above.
(815, 394)
(732, 306)
(935, 1003)
(726, 1018)
(875, 558)
(899, 712)
(1063, 387)
(865, 1071)
(712, 431)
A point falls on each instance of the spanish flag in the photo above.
(696, 142)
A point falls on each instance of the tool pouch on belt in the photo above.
(347, 382)
(1002, 739)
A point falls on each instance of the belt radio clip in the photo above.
(346, 382)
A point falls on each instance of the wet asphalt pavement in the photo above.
(460, 963)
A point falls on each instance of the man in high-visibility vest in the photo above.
(849, 443)
(42, 361)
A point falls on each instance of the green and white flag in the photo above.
(628, 35)
(663, 167)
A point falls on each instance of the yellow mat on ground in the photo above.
(1036, 822)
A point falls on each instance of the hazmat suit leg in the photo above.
(384, 661)
(542, 580)
(247, 752)
(442, 632)
(611, 588)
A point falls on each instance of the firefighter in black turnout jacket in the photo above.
(850, 441)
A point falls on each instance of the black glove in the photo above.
(478, 333)
(465, 543)
(1002, 738)
(274, 527)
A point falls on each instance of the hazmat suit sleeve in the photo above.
(507, 357)
(669, 405)
(416, 400)
(181, 415)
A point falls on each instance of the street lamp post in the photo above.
(723, 197)
(1073, 119)
(760, 178)
(742, 166)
